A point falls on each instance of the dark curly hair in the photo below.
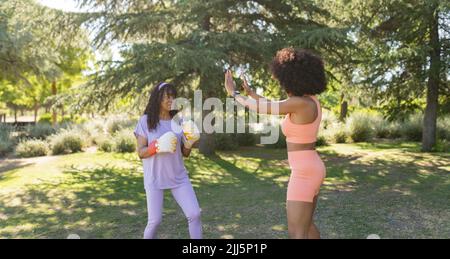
(299, 71)
(154, 104)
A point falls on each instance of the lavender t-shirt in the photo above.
(164, 170)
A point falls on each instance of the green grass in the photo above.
(388, 189)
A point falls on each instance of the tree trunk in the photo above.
(207, 141)
(54, 112)
(207, 145)
(429, 124)
(15, 115)
(36, 108)
(344, 108)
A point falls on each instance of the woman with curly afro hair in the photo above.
(301, 74)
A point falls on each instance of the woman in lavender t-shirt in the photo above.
(162, 147)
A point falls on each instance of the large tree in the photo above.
(27, 40)
(191, 42)
(38, 57)
(406, 55)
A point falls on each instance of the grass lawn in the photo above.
(388, 189)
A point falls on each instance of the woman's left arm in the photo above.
(185, 151)
(271, 107)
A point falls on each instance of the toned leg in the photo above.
(299, 216)
(314, 232)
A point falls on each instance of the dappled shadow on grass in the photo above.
(384, 169)
(109, 202)
(239, 201)
(395, 195)
(259, 153)
(401, 146)
(7, 165)
(99, 203)
(393, 192)
(390, 144)
(242, 195)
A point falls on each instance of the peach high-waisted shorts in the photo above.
(308, 174)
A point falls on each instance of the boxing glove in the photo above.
(191, 134)
(167, 143)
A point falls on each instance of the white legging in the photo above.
(186, 199)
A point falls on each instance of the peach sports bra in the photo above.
(302, 133)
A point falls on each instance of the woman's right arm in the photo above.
(142, 148)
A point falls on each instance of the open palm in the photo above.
(230, 85)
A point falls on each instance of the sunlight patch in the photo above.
(129, 212)
(279, 228)
(3, 216)
(221, 228)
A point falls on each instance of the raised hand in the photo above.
(248, 90)
(230, 85)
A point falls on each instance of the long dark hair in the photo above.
(154, 104)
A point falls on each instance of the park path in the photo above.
(11, 163)
(7, 164)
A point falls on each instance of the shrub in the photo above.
(40, 131)
(380, 126)
(412, 128)
(394, 130)
(281, 143)
(246, 139)
(117, 123)
(6, 141)
(443, 125)
(93, 131)
(328, 120)
(321, 141)
(32, 148)
(105, 144)
(125, 142)
(66, 142)
(45, 118)
(335, 133)
(443, 146)
(67, 119)
(359, 127)
(340, 136)
(226, 142)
